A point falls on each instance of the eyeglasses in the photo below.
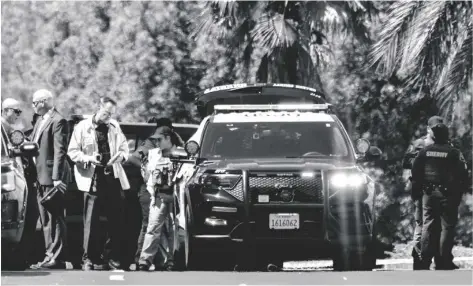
(35, 103)
(17, 111)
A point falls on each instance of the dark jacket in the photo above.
(52, 164)
(439, 164)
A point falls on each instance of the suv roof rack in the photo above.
(325, 107)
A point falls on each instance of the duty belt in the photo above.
(430, 187)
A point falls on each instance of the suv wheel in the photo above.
(193, 254)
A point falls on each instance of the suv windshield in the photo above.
(274, 139)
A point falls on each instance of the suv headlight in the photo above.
(225, 181)
(348, 180)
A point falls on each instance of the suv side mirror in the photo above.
(374, 153)
(27, 149)
(366, 151)
(21, 147)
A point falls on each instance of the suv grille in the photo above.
(237, 191)
(306, 190)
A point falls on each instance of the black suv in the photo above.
(274, 182)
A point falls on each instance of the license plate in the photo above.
(284, 221)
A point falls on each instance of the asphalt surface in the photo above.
(77, 277)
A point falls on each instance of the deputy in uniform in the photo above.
(408, 159)
(439, 178)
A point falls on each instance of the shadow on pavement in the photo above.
(25, 273)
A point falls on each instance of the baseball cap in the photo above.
(440, 131)
(436, 120)
(163, 130)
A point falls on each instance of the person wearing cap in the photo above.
(11, 111)
(98, 148)
(408, 159)
(439, 178)
(51, 132)
(139, 159)
(159, 185)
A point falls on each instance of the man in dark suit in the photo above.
(51, 134)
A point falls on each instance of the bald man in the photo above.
(11, 111)
(51, 134)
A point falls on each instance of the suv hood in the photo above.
(290, 164)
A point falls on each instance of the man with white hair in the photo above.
(51, 134)
(11, 112)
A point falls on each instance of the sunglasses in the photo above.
(35, 103)
(17, 111)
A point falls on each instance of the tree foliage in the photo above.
(290, 36)
(428, 44)
(154, 57)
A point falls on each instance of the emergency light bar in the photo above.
(268, 107)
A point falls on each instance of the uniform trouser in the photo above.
(159, 216)
(440, 216)
(145, 200)
(105, 196)
(416, 251)
(418, 217)
(54, 228)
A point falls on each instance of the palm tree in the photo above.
(289, 37)
(429, 46)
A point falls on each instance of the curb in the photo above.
(383, 262)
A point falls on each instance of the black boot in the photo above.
(417, 265)
(446, 266)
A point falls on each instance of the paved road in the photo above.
(77, 277)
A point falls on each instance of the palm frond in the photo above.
(458, 59)
(273, 31)
(227, 8)
(326, 16)
(210, 25)
(420, 32)
(384, 52)
(458, 71)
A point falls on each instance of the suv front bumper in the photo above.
(326, 222)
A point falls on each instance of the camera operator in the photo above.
(159, 185)
(98, 147)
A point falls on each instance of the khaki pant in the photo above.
(160, 218)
